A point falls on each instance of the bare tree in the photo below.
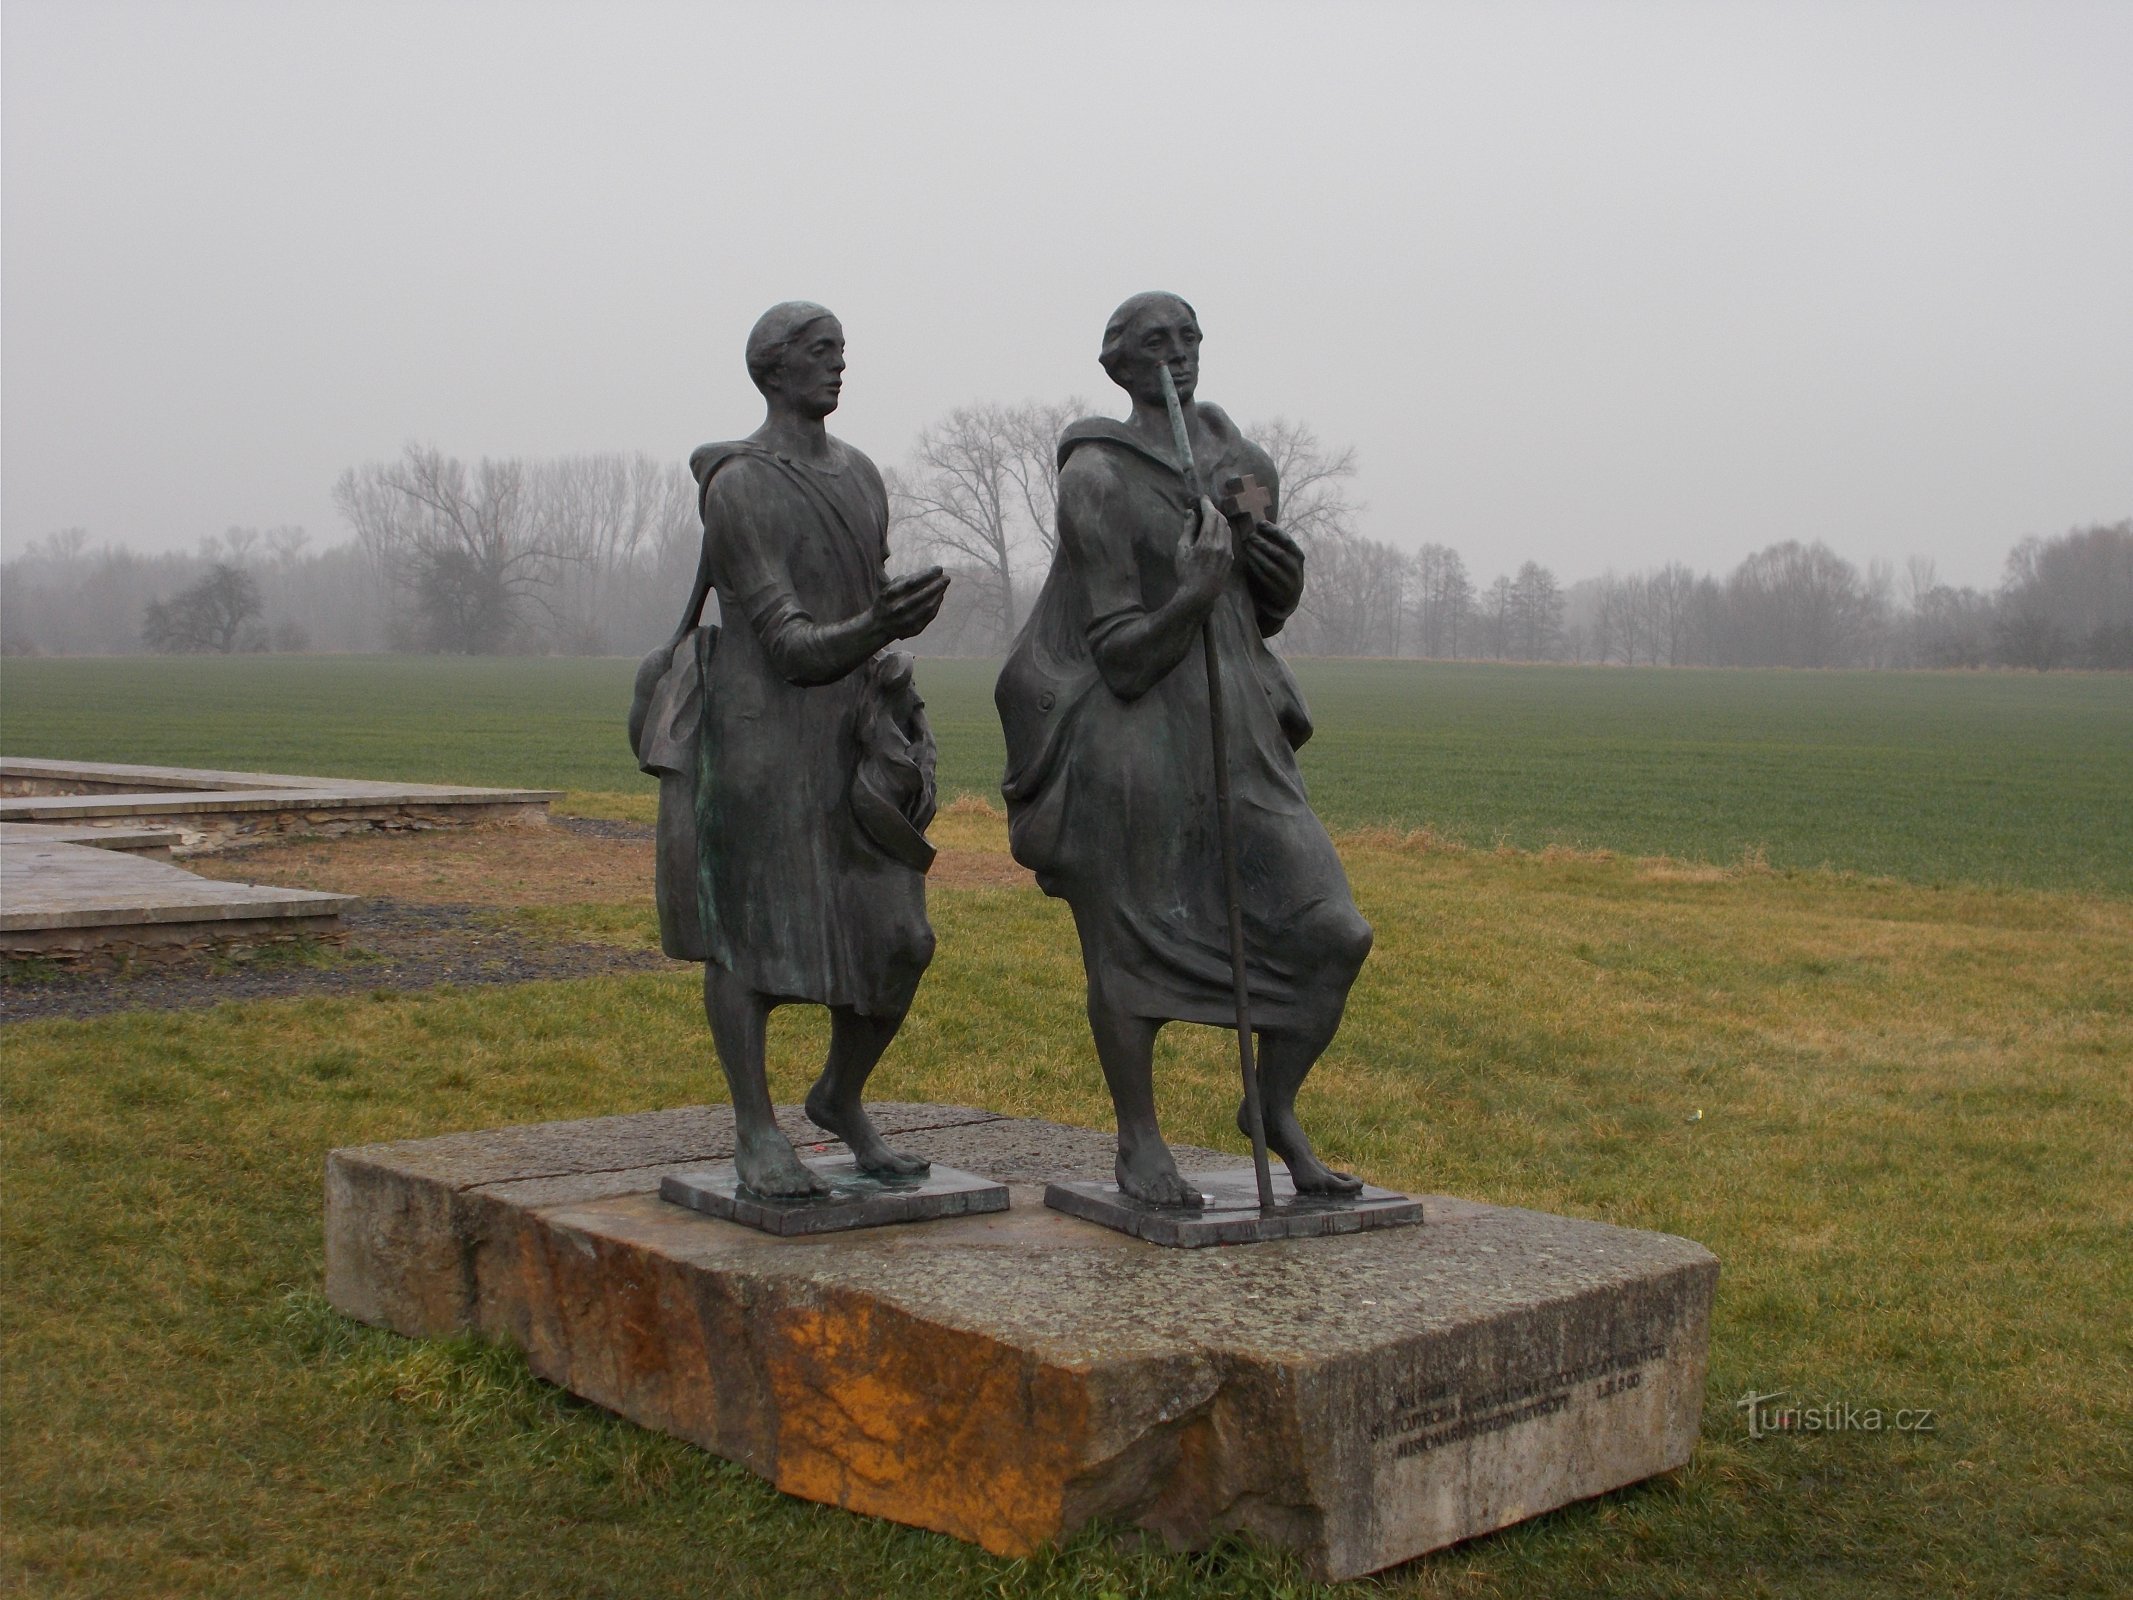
(1921, 576)
(208, 616)
(962, 491)
(1444, 598)
(1315, 479)
(1669, 591)
(1535, 615)
(234, 545)
(616, 524)
(1354, 588)
(62, 545)
(1794, 605)
(1950, 627)
(459, 544)
(1031, 432)
(1610, 631)
(285, 544)
(2069, 599)
(1497, 609)
(1354, 602)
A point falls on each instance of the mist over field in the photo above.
(1628, 291)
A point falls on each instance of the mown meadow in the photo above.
(2017, 779)
(1833, 973)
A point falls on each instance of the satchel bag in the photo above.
(666, 733)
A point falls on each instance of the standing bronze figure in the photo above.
(795, 765)
(1111, 783)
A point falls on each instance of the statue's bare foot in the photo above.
(1148, 1173)
(853, 1125)
(1285, 1138)
(769, 1166)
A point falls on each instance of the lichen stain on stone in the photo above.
(880, 1412)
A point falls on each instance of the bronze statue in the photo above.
(795, 765)
(1111, 780)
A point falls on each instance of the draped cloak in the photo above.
(1111, 802)
(796, 900)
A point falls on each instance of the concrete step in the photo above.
(212, 808)
(64, 902)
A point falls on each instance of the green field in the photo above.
(1931, 777)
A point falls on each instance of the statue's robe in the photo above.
(796, 899)
(1111, 801)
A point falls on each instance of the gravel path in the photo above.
(392, 946)
(602, 828)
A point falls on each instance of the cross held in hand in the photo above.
(1245, 499)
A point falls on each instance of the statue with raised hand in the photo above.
(796, 767)
(1201, 892)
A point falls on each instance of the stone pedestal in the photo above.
(1230, 1212)
(856, 1199)
(1008, 1377)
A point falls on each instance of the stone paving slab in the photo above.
(152, 841)
(71, 899)
(77, 886)
(212, 808)
(130, 778)
(1007, 1378)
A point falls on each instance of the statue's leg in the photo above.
(763, 1156)
(1285, 1060)
(1287, 1057)
(1125, 1045)
(833, 1104)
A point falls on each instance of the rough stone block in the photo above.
(1006, 1378)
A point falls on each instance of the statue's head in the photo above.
(796, 357)
(1148, 333)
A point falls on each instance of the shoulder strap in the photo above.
(704, 462)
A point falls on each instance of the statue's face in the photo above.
(1166, 336)
(811, 377)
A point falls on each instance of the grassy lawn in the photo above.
(1893, 1099)
(1896, 1113)
(1934, 777)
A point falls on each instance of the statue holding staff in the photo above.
(1111, 781)
(796, 769)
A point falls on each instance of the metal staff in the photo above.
(1226, 827)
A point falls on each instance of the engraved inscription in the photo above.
(1428, 1417)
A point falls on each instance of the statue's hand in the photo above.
(907, 604)
(1275, 564)
(1204, 552)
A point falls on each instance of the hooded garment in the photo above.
(796, 897)
(1111, 802)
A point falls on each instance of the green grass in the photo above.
(1932, 777)
(1907, 1148)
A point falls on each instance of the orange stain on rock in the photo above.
(882, 1414)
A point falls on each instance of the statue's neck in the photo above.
(1152, 423)
(789, 433)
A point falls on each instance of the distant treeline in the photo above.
(591, 555)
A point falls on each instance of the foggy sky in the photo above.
(1593, 284)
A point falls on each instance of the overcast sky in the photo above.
(1598, 284)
